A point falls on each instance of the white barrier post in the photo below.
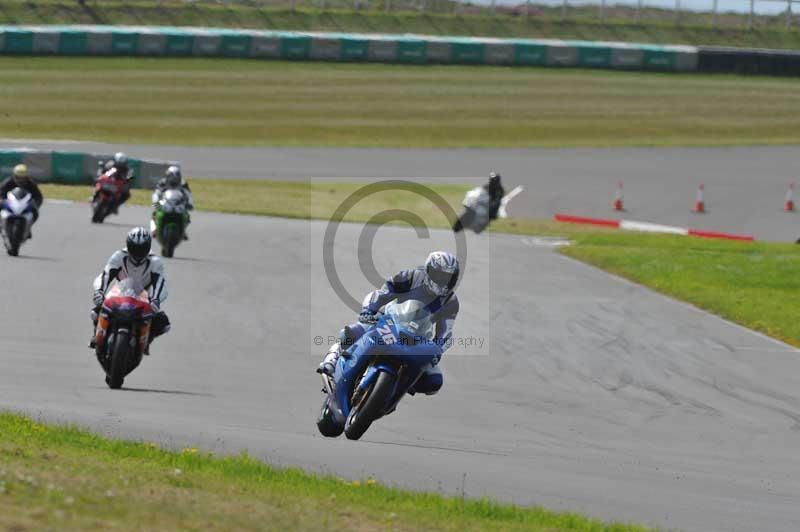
(714, 14)
(788, 14)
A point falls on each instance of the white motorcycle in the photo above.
(477, 209)
(16, 214)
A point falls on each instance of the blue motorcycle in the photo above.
(17, 213)
(374, 374)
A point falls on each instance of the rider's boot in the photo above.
(328, 364)
(93, 341)
(185, 236)
(146, 350)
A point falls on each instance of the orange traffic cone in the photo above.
(700, 204)
(618, 197)
(788, 206)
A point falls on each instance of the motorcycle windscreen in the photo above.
(18, 201)
(173, 195)
(411, 317)
(128, 288)
(172, 201)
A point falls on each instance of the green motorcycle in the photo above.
(170, 220)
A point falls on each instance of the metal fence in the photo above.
(714, 13)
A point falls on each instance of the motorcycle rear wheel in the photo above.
(370, 409)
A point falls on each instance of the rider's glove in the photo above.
(367, 316)
(98, 298)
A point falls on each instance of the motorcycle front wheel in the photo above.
(171, 237)
(100, 212)
(370, 408)
(326, 424)
(119, 360)
(15, 236)
(464, 221)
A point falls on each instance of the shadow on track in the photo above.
(113, 224)
(42, 259)
(186, 259)
(436, 448)
(170, 392)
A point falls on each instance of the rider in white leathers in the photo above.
(135, 262)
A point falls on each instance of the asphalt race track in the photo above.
(745, 186)
(590, 394)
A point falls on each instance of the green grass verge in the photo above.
(57, 477)
(656, 26)
(754, 284)
(319, 202)
(249, 102)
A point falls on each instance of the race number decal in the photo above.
(386, 335)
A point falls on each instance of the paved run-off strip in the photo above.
(77, 168)
(597, 396)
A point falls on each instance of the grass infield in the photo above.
(251, 102)
(60, 478)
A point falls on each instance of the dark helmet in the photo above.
(173, 176)
(494, 179)
(441, 273)
(138, 243)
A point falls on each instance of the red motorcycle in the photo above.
(108, 191)
(123, 331)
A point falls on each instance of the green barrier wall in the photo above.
(415, 49)
(72, 43)
(530, 54)
(18, 42)
(76, 168)
(68, 167)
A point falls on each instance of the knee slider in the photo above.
(429, 384)
(348, 336)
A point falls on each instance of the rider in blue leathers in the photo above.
(433, 284)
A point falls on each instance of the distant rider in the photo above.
(434, 284)
(496, 193)
(21, 179)
(135, 262)
(117, 168)
(174, 180)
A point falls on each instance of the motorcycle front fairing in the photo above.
(18, 204)
(170, 208)
(477, 201)
(386, 347)
(125, 303)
